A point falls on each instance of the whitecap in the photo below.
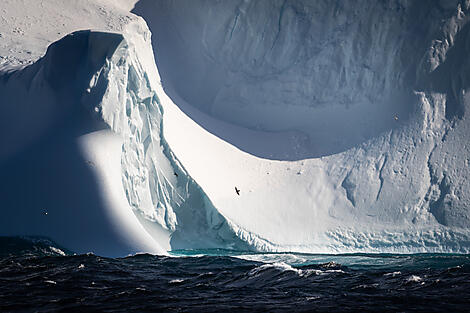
(57, 250)
(278, 265)
(393, 274)
(285, 267)
(414, 278)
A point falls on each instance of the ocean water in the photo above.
(38, 276)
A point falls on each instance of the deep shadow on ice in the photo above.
(50, 185)
(291, 80)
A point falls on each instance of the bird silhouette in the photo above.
(237, 190)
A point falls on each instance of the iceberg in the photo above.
(114, 186)
(324, 130)
(61, 165)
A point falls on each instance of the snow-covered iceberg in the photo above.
(371, 153)
(61, 165)
(86, 126)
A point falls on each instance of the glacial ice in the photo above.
(61, 165)
(331, 77)
(110, 158)
(362, 141)
(394, 82)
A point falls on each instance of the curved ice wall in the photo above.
(334, 73)
(168, 202)
(375, 88)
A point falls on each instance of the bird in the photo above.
(237, 190)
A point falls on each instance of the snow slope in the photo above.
(370, 155)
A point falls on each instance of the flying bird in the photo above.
(237, 190)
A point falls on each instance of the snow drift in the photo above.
(344, 130)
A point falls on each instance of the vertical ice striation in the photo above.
(168, 202)
(335, 72)
(88, 117)
(60, 164)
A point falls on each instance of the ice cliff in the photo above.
(88, 120)
(344, 126)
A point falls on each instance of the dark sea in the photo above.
(38, 276)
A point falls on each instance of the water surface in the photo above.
(37, 275)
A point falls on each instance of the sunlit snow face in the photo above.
(333, 77)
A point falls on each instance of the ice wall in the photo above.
(59, 163)
(167, 201)
(84, 160)
(335, 72)
(377, 88)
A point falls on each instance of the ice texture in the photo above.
(163, 195)
(365, 100)
(60, 164)
(113, 173)
(332, 74)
